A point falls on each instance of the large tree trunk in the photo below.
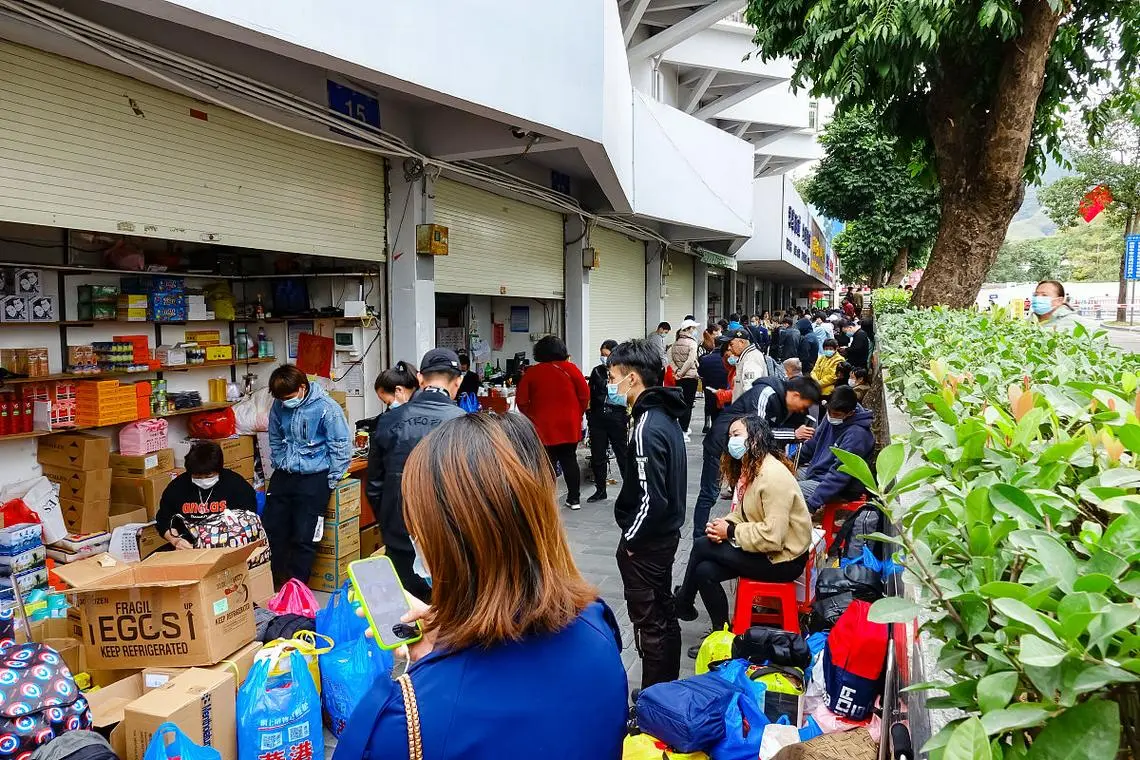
(980, 151)
(900, 268)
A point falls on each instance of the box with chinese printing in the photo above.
(200, 702)
(183, 609)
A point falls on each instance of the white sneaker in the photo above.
(688, 439)
(575, 506)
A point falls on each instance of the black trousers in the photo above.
(712, 411)
(403, 560)
(689, 390)
(609, 429)
(710, 564)
(566, 454)
(294, 504)
(646, 576)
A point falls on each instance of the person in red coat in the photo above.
(554, 395)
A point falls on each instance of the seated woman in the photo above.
(827, 366)
(764, 538)
(206, 490)
(511, 616)
(861, 382)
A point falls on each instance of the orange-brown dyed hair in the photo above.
(487, 522)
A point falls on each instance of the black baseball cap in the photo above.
(741, 333)
(440, 360)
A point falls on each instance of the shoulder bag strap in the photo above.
(412, 714)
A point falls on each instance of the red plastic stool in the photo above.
(831, 510)
(748, 592)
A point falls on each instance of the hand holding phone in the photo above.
(384, 602)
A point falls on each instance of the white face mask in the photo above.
(209, 482)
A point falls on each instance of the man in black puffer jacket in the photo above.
(397, 433)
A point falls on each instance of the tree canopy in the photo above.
(1084, 252)
(891, 217)
(973, 89)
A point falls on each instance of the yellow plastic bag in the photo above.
(309, 643)
(645, 747)
(716, 647)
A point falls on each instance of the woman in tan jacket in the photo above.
(766, 535)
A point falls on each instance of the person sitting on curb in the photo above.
(846, 426)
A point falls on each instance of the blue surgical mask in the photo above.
(293, 403)
(1042, 305)
(733, 360)
(396, 404)
(615, 396)
(737, 446)
(603, 360)
(828, 352)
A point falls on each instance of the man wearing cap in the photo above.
(398, 432)
(747, 358)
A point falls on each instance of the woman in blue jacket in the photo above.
(519, 658)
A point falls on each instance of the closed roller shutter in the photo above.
(679, 297)
(617, 288)
(496, 243)
(85, 148)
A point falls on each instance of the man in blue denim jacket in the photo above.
(310, 444)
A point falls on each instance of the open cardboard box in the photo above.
(181, 609)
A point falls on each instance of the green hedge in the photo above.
(1023, 528)
(890, 301)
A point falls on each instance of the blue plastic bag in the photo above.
(736, 672)
(744, 724)
(687, 715)
(280, 716)
(180, 746)
(354, 663)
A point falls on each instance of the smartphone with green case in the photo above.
(384, 602)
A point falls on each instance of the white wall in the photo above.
(776, 105)
(489, 309)
(726, 50)
(767, 241)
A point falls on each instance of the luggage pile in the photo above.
(782, 695)
(171, 657)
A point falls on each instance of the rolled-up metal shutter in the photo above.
(679, 293)
(85, 148)
(498, 246)
(617, 288)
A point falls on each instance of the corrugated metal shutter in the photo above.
(85, 148)
(495, 243)
(679, 297)
(617, 288)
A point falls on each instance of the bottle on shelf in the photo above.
(262, 343)
(242, 340)
(259, 310)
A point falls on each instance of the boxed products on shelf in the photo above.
(82, 360)
(16, 414)
(104, 402)
(204, 337)
(41, 309)
(132, 308)
(167, 307)
(28, 362)
(219, 353)
(171, 356)
(98, 302)
(28, 282)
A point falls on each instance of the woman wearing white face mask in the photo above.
(766, 535)
(206, 489)
(395, 386)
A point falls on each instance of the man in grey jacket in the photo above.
(658, 340)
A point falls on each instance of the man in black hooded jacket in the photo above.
(650, 509)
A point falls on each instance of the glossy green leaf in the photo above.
(1012, 501)
(889, 463)
(1088, 730)
(1004, 589)
(995, 691)
(968, 742)
(1017, 610)
(1020, 715)
(855, 466)
(894, 609)
(1039, 652)
(1129, 435)
(1058, 560)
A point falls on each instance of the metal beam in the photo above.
(725, 102)
(772, 137)
(674, 35)
(673, 5)
(699, 91)
(742, 128)
(634, 19)
(761, 164)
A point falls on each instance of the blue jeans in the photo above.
(710, 492)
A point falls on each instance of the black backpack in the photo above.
(849, 541)
(837, 587)
(761, 645)
(40, 699)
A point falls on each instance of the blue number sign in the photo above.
(353, 104)
(1132, 257)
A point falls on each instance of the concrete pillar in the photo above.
(411, 278)
(750, 300)
(732, 294)
(577, 284)
(655, 258)
(701, 292)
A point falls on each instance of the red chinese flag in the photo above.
(1094, 202)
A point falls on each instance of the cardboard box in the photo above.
(108, 705)
(344, 504)
(78, 451)
(328, 573)
(237, 664)
(125, 466)
(183, 608)
(125, 514)
(234, 449)
(70, 650)
(202, 703)
(243, 467)
(819, 549)
(370, 540)
(260, 583)
(143, 492)
(340, 539)
(80, 485)
(85, 516)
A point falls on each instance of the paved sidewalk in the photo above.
(594, 536)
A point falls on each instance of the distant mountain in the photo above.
(1030, 221)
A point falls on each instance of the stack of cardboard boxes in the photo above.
(80, 464)
(168, 639)
(237, 455)
(341, 541)
(137, 483)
